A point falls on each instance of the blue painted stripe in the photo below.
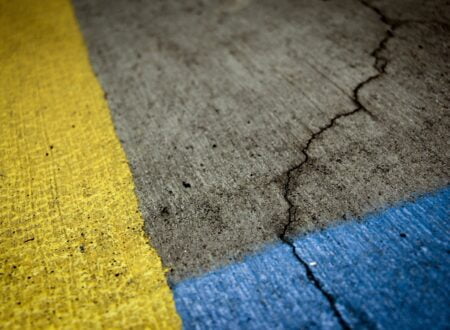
(393, 270)
(269, 290)
(389, 271)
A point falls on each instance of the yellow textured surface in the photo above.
(72, 250)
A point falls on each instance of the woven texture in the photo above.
(72, 250)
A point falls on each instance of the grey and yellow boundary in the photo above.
(73, 252)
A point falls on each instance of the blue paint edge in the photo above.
(391, 270)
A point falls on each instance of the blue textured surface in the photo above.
(390, 271)
(267, 291)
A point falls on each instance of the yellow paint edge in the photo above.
(72, 249)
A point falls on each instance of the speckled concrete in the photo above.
(250, 122)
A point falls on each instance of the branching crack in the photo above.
(379, 65)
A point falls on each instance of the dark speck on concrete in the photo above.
(165, 211)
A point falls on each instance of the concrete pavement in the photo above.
(250, 122)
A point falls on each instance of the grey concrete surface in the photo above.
(247, 122)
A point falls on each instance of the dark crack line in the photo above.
(319, 286)
(379, 65)
(291, 216)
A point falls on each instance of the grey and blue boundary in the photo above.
(390, 270)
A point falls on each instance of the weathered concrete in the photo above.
(249, 121)
(360, 164)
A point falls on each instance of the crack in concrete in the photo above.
(380, 66)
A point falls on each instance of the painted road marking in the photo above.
(73, 253)
(389, 272)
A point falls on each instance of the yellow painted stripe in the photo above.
(72, 249)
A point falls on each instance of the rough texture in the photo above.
(267, 291)
(72, 250)
(249, 121)
(389, 272)
(404, 147)
(382, 272)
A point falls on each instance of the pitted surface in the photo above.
(215, 103)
